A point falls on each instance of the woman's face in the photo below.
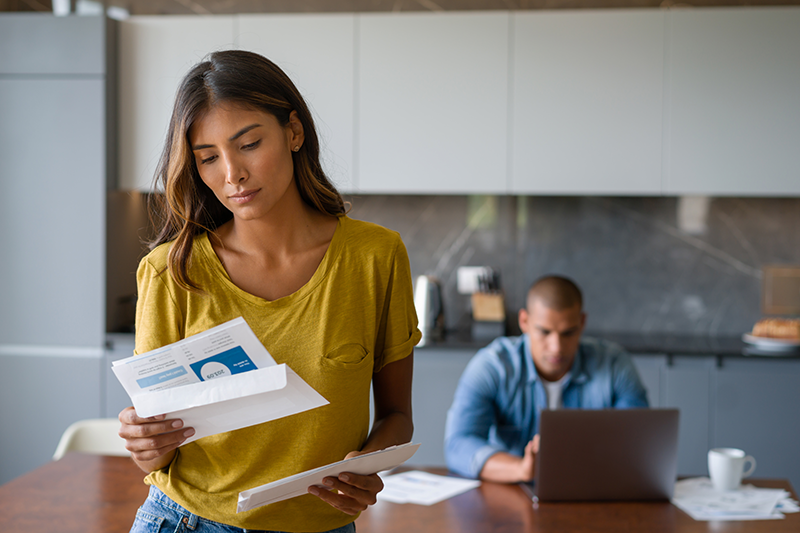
(245, 157)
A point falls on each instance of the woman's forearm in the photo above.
(158, 463)
(393, 423)
(394, 428)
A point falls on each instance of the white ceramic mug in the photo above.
(726, 467)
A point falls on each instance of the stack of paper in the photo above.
(698, 498)
(423, 488)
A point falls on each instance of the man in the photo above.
(492, 427)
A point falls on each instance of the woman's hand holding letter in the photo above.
(350, 493)
(152, 441)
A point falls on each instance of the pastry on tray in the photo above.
(778, 328)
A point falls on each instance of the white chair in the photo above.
(97, 436)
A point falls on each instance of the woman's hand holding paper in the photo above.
(350, 493)
(152, 441)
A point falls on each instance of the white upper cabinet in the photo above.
(587, 102)
(155, 52)
(606, 102)
(53, 142)
(734, 102)
(321, 65)
(34, 43)
(433, 103)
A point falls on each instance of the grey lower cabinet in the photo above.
(650, 368)
(436, 375)
(686, 382)
(747, 403)
(40, 396)
(756, 408)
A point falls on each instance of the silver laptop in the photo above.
(609, 454)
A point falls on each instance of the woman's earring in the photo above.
(296, 149)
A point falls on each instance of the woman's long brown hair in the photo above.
(187, 207)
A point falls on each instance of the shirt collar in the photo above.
(579, 373)
(527, 359)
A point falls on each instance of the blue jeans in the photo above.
(159, 514)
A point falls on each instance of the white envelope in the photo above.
(233, 402)
(215, 381)
(297, 485)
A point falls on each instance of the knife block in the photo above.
(488, 307)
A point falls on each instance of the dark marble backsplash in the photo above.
(688, 266)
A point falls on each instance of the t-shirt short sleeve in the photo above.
(398, 328)
(158, 317)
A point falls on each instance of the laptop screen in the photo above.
(608, 454)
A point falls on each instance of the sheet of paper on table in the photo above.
(219, 380)
(697, 498)
(423, 488)
(297, 485)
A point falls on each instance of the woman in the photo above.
(250, 226)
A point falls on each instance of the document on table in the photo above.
(423, 488)
(297, 485)
(218, 380)
(698, 498)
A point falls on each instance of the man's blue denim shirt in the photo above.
(498, 399)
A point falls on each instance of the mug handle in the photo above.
(752, 468)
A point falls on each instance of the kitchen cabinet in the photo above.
(755, 409)
(587, 102)
(56, 114)
(733, 124)
(154, 54)
(432, 97)
(322, 66)
(685, 383)
(40, 396)
(54, 189)
(739, 402)
(53, 149)
(650, 368)
(63, 45)
(687, 386)
(611, 102)
(436, 375)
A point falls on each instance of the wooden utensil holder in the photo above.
(488, 307)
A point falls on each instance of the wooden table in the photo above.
(88, 494)
(496, 508)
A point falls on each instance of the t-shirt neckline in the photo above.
(218, 269)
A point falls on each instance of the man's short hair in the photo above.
(555, 292)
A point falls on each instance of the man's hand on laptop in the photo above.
(507, 468)
(528, 464)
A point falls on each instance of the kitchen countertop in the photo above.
(637, 343)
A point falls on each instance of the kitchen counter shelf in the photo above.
(636, 343)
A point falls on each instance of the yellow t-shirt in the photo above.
(354, 316)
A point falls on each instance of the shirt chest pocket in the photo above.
(346, 374)
(348, 357)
